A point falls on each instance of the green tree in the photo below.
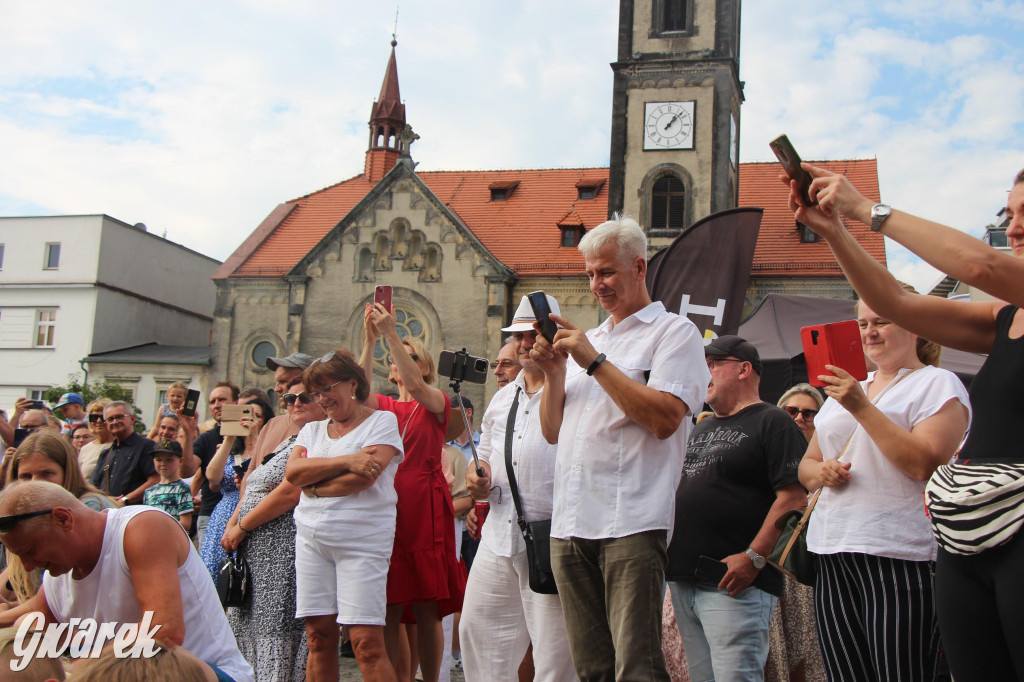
(94, 390)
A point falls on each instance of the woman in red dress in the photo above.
(425, 574)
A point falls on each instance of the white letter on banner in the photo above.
(34, 621)
(716, 311)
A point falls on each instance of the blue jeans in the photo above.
(725, 638)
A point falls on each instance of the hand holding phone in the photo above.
(191, 400)
(382, 295)
(837, 344)
(790, 161)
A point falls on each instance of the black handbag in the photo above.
(233, 580)
(537, 534)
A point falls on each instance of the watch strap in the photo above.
(595, 364)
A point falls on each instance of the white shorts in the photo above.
(349, 580)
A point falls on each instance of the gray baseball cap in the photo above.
(293, 361)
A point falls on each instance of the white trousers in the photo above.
(501, 615)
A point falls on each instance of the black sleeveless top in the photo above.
(997, 398)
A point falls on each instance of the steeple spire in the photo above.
(387, 120)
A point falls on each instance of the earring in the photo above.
(353, 396)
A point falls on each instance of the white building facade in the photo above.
(72, 286)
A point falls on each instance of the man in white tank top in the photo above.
(115, 566)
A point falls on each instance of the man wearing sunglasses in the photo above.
(739, 477)
(85, 554)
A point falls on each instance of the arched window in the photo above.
(668, 204)
(409, 323)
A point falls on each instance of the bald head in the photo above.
(23, 497)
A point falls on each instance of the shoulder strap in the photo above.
(510, 426)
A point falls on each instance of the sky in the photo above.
(197, 118)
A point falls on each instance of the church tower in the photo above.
(675, 113)
(387, 121)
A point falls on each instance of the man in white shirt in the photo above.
(616, 401)
(501, 615)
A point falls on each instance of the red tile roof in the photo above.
(522, 232)
(779, 252)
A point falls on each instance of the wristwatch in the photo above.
(758, 560)
(879, 212)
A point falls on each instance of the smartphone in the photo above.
(191, 400)
(382, 295)
(230, 416)
(461, 366)
(35, 405)
(542, 311)
(239, 469)
(710, 570)
(790, 161)
(19, 436)
(836, 344)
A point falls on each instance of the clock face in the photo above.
(668, 125)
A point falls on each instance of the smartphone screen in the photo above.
(382, 295)
(542, 311)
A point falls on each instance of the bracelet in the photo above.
(313, 489)
(241, 527)
(595, 364)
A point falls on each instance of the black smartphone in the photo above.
(461, 366)
(710, 570)
(239, 469)
(191, 400)
(19, 435)
(35, 405)
(542, 311)
(790, 161)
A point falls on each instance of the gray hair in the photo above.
(119, 403)
(623, 231)
(802, 389)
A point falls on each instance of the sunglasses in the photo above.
(391, 358)
(289, 398)
(327, 357)
(505, 364)
(96, 417)
(794, 411)
(9, 522)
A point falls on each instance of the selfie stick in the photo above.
(481, 507)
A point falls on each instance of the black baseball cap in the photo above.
(737, 347)
(169, 445)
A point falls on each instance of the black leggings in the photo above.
(981, 612)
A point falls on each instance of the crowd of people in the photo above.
(357, 512)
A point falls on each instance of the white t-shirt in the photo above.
(881, 510)
(107, 595)
(374, 506)
(613, 477)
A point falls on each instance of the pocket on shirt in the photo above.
(636, 367)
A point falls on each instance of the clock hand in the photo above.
(671, 121)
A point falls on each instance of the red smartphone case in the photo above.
(382, 294)
(836, 344)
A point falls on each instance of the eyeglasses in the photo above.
(505, 364)
(792, 411)
(714, 362)
(9, 522)
(391, 358)
(114, 418)
(32, 428)
(317, 395)
(289, 398)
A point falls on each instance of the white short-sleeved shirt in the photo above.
(533, 460)
(881, 510)
(374, 506)
(613, 477)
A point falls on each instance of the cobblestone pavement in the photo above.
(350, 672)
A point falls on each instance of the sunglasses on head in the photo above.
(289, 398)
(794, 411)
(9, 522)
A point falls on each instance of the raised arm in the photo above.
(957, 324)
(552, 399)
(366, 357)
(190, 427)
(433, 400)
(215, 469)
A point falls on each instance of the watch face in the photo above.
(668, 125)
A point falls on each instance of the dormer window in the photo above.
(807, 235)
(501, 190)
(571, 235)
(588, 188)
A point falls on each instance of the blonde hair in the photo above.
(928, 352)
(37, 670)
(170, 664)
(418, 347)
(178, 384)
(801, 389)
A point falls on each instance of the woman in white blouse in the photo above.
(875, 445)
